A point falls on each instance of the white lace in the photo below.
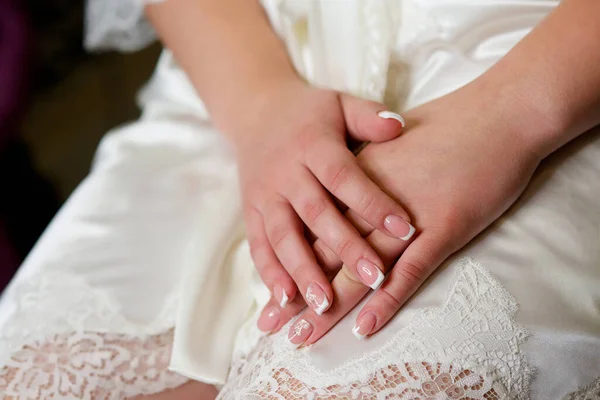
(466, 349)
(56, 342)
(589, 392)
(90, 366)
(62, 303)
(117, 24)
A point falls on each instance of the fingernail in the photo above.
(268, 319)
(280, 295)
(369, 273)
(392, 115)
(364, 325)
(299, 332)
(316, 298)
(399, 227)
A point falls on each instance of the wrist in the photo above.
(246, 114)
(527, 116)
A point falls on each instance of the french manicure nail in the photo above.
(392, 115)
(280, 295)
(268, 319)
(369, 273)
(364, 325)
(299, 332)
(398, 227)
(316, 298)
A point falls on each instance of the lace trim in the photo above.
(419, 380)
(471, 341)
(589, 392)
(62, 302)
(90, 366)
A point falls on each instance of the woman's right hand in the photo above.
(294, 163)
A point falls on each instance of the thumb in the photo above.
(418, 261)
(369, 120)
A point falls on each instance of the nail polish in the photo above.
(398, 227)
(369, 273)
(316, 298)
(280, 295)
(392, 115)
(268, 319)
(364, 325)
(299, 332)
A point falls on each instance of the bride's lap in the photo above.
(543, 256)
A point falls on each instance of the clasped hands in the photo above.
(324, 226)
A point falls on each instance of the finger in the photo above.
(338, 172)
(419, 260)
(273, 317)
(362, 226)
(330, 263)
(286, 235)
(272, 273)
(370, 121)
(347, 291)
(314, 206)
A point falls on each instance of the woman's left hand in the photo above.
(462, 161)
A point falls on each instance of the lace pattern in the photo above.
(61, 302)
(90, 366)
(467, 349)
(589, 392)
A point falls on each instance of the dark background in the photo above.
(56, 103)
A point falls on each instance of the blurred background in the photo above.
(56, 103)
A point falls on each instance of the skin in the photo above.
(541, 100)
(489, 134)
(289, 137)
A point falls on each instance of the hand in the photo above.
(457, 167)
(291, 158)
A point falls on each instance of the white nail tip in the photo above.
(379, 280)
(284, 299)
(410, 233)
(392, 115)
(322, 307)
(358, 335)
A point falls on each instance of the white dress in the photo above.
(144, 277)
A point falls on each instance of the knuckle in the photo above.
(392, 302)
(298, 271)
(278, 233)
(413, 272)
(322, 252)
(369, 207)
(338, 175)
(344, 248)
(453, 215)
(313, 209)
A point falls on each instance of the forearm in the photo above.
(551, 79)
(229, 51)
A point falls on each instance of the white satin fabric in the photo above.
(153, 238)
